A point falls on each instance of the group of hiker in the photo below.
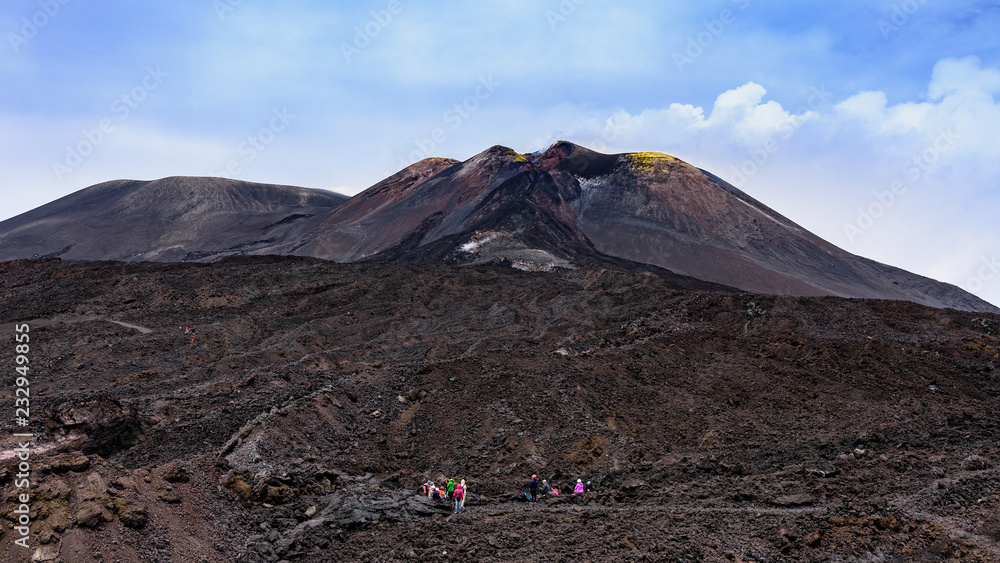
(535, 489)
(457, 491)
(451, 491)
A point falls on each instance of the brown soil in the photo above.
(313, 398)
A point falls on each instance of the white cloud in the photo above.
(963, 78)
(827, 165)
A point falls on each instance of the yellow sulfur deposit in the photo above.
(643, 161)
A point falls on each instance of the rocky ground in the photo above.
(299, 419)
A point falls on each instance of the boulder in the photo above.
(975, 463)
(110, 426)
(89, 516)
(63, 463)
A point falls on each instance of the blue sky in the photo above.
(874, 124)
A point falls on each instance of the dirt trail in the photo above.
(67, 318)
(142, 329)
(624, 508)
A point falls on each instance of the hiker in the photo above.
(451, 488)
(555, 492)
(427, 488)
(579, 487)
(533, 487)
(465, 494)
(545, 489)
(459, 495)
(588, 487)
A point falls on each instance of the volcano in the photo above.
(566, 208)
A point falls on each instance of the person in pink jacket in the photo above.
(579, 487)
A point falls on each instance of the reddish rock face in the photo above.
(571, 206)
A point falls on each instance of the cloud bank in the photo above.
(888, 181)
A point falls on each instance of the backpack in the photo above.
(459, 492)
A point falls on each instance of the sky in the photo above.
(874, 124)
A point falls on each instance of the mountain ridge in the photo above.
(175, 218)
(566, 207)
